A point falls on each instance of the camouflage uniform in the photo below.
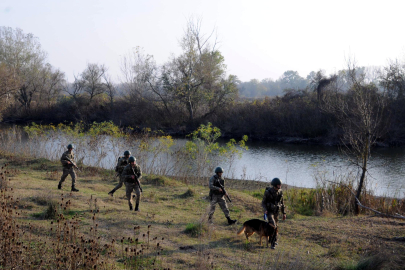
(131, 184)
(217, 197)
(122, 162)
(272, 203)
(68, 168)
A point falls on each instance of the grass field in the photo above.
(47, 228)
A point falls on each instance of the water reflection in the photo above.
(298, 164)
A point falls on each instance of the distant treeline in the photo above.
(268, 87)
(193, 88)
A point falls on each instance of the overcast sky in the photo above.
(259, 39)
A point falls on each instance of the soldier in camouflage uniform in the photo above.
(68, 167)
(217, 196)
(131, 173)
(272, 203)
(122, 162)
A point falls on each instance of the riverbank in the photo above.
(181, 132)
(173, 217)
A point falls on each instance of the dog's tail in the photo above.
(241, 230)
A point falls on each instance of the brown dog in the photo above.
(262, 228)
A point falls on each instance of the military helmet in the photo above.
(275, 182)
(70, 146)
(219, 170)
(131, 159)
(127, 153)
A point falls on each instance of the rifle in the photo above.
(73, 163)
(136, 178)
(223, 189)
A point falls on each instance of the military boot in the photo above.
(231, 221)
(137, 207)
(74, 189)
(59, 186)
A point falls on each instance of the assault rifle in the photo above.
(223, 190)
(136, 178)
(73, 163)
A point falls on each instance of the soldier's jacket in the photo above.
(214, 186)
(122, 162)
(65, 156)
(128, 172)
(273, 201)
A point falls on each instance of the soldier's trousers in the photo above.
(272, 218)
(132, 187)
(119, 185)
(66, 172)
(218, 199)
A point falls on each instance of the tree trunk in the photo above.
(363, 173)
(190, 110)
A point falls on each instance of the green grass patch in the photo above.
(195, 229)
(258, 194)
(236, 210)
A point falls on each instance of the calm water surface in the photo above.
(298, 165)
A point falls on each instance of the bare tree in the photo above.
(9, 84)
(22, 55)
(111, 89)
(43, 86)
(135, 67)
(90, 83)
(198, 76)
(74, 89)
(360, 113)
(91, 79)
(142, 80)
(33, 84)
(55, 80)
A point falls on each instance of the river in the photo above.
(299, 165)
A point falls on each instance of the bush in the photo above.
(371, 263)
(195, 229)
(51, 211)
(188, 194)
(158, 180)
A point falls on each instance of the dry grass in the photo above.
(111, 233)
